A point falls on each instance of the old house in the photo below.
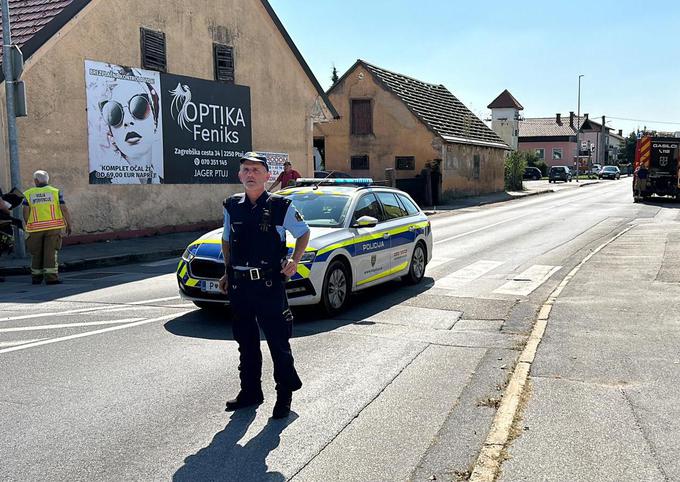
(389, 120)
(140, 110)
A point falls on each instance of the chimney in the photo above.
(586, 116)
(558, 119)
(621, 132)
(571, 118)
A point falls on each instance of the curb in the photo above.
(107, 261)
(488, 464)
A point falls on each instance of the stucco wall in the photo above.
(54, 135)
(396, 132)
(458, 171)
(568, 151)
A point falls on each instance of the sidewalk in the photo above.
(602, 397)
(112, 253)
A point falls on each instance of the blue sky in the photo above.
(628, 53)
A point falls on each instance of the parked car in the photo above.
(532, 173)
(609, 172)
(361, 235)
(559, 173)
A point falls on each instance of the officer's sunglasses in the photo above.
(113, 113)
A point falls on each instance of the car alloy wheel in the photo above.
(416, 270)
(336, 288)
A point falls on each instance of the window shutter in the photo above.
(360, 162)
(153, 50)
(224, 63)
(362, 118)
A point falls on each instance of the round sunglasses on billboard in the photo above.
(113, 113)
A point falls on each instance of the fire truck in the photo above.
(656, 167)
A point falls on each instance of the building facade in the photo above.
(505, 118)
(212, 46)
(389, 120)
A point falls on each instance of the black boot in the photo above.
(36, 280)
(244, 399)
(282, 406)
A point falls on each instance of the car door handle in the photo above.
(386, 235)
(411, 228)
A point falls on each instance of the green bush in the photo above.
(515, 164)
(534, 161)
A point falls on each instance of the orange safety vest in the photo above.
(45, 209)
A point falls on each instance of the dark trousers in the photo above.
(263, 303)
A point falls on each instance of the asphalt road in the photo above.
(111, 376)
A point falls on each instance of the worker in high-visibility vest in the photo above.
(46, 217)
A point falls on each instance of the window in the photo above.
(411, 208)
(360, 162)
(153, 50)
(476, 166)
(361, 117)
(391, 205)
(223, 56)
(368, 205)
(405, 163)
(541, 154)
(557, 153)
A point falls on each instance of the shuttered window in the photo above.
(224, 63)
(360, 162)
(153, 50)
(362, 117)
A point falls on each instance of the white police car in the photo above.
(361, 235)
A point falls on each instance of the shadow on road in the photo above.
(214, 324)
(225, 460)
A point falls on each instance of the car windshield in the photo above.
(321, 209)
(610, 168)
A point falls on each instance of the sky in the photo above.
(627, 53)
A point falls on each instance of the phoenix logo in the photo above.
(181, 99)
(373, 260)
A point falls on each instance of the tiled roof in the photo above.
(28, 17)
(437, 108)
(546, 126)
(505, 101)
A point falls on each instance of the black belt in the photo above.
(254, 274)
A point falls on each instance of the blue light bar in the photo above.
(359, 181)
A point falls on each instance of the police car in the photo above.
(361, 235)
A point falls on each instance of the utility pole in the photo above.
(578, 127)
(603, 144)
(10, 86)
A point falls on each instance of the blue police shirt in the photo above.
(293, 223)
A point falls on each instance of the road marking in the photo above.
(527, 281)
(162, 262)
(68, 325)
(88, 333)
(434, 262)
(18, 342)
(463, 276)
(481, 229)
(91, 309)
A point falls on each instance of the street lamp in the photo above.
(578, 126)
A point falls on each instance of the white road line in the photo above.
(18, 342)
(434, 262)
(161, 263)
(527, 281)
(86, 310)
(464, 275)
(89, 333)
(481, 229)
(69, 325)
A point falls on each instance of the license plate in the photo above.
(208, 286)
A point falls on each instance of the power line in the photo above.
(643, 120)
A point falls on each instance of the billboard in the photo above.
(146, 127)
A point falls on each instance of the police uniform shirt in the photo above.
(292, 222)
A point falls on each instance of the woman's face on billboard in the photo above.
(130, 118)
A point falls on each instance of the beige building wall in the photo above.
(396, 131)
(54, 135)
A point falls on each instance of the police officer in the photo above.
(257, 265)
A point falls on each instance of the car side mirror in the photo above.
(365, 222)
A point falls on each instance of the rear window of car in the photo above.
(610, 168)
(556, 169)
(411, 208)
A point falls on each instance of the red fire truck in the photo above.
(656, 167)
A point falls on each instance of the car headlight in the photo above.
(308, 257)
(189, 253)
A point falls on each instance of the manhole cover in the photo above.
(91, 276)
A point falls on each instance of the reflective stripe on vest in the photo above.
(45, 209)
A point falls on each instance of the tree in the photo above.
(627, 152)
(514, 171)
(334, 75)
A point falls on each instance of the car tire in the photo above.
(336, 288)
(416, 268)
